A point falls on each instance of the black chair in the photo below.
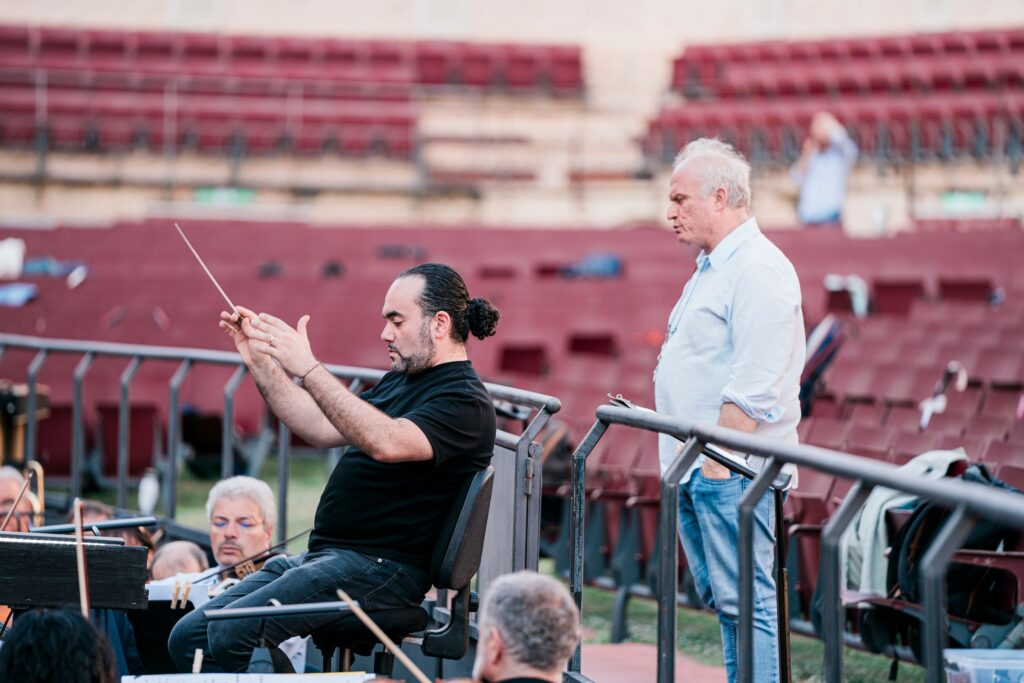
(455, 561)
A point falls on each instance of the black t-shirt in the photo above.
(395, 510)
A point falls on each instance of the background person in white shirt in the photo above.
(732, 355)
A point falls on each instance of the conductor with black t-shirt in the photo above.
(412, 441)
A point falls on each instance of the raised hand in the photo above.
(277, 339)
(232, 324)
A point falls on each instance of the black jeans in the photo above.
(375, 582)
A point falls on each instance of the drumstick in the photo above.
(83, 586)
(24, 487)
(388, 643)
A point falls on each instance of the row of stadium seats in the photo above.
(79, 119)
(906, 126)
(990, 58)
(557, 68)
(579, 338)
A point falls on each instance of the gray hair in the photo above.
(723, 167)
(536, 616)
(12, 473)
(255, 490)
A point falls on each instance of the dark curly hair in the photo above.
(56, 646)
(445, 290)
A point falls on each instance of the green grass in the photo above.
(698, 633)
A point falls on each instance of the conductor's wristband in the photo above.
(303, 376)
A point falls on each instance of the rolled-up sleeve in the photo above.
(763, 321)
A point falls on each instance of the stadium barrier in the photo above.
(513, 525)
(968, 502)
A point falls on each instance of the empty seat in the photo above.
(1004, 453)
(988, 427)
(1002, 403)
(895, 297)
(1001, 366)
(974, 446)
(868, 441)
(965, 289)
(866, 414)
(946, 424)
(144, 437)
(907, 445)
(828, 433)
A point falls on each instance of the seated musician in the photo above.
(529, 627)
(413, 440)
(241, 511)
(94, 511)
(56, 646)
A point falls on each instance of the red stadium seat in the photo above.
(974, 446)
(907, 445)
(1005, 453)
(436, 62)
(895, 297)
(16, 46)
(1002, 403)
(829, 433)
(54, 445)
(144, 437)
(870, 442)
(992, 428)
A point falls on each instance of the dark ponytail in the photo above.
(445, 290)
(482, 318)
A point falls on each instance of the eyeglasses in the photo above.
(243, 523)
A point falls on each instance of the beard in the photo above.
(416, 360)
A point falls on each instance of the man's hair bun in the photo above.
(482, 318)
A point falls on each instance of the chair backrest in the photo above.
(460, 544)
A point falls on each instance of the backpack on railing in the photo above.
(972, 592)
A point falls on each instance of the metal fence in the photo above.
(515, 512)
(968, 502)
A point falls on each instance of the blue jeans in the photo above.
(709, 528)
(374, 582)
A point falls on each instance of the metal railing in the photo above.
(523, 490)
(968, 502)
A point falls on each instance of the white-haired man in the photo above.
(732, 355)
(529, 627)
(241, 511)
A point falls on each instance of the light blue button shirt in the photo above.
(736, 335)
(823, 182)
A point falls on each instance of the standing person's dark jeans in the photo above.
(375, 582)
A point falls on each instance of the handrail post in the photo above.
(33, 424)
(227, 440)
(932, 568)
(124, 431)
(284, 449)
(668, 562)
(830, 573)
(173, 437)
(78, 425)
(577, 508)
(748, 502)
